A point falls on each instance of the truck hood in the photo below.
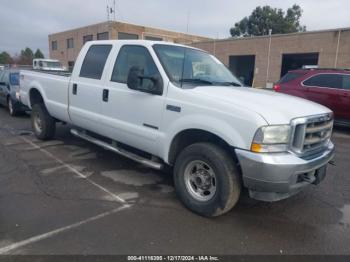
(274, 107)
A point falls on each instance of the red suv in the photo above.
(329, 87)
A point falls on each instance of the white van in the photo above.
(48, 65)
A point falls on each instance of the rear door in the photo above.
(86, 87)
(324, 89)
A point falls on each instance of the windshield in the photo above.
(14, 79)
(52, 64)
(191, 67)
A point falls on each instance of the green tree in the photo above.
(265, 18)
(39, 54)
(5, 58)
(26, 57)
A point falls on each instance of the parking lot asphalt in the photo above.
(68, 196)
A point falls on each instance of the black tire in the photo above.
(47, 127)
(227, 179)
(11, 109)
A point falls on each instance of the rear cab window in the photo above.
(95, 61)
(290, 77)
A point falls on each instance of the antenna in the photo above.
(188, 21)
(114, 10)
(107, 12)
(111, 10)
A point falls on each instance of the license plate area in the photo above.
(320, 174)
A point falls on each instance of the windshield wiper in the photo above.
(231, 83)
(196, 80)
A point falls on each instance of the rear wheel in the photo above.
(43, 124)
(206, 179)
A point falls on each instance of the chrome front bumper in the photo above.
(272, 177)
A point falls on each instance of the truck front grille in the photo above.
(311, 134)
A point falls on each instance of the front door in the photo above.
(324, 89)
(130, 116)
(86, 88)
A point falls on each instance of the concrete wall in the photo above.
(65, 55)
(322, 42)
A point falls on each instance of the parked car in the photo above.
(164, 104)
(9, 92)
(329, 87)
(48, 65)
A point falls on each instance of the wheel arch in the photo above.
(35, 97)
(191, 136)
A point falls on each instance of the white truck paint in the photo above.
(164, 124)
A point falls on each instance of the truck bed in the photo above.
(59, 73)
(53, 85)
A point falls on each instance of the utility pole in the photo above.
(268, 57)
(337, 50)
(114, 10)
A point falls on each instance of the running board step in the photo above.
(120, 151)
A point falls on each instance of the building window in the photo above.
(70, 43)
(152, 38)
(103, 36)
(122, 36)
(54, 45)
(87, 38)
(95, 61)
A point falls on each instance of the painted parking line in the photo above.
(74, 170)
(34, 239)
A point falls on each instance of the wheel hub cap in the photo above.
(200, 180)
(37, 123)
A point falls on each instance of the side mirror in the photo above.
(148, 84)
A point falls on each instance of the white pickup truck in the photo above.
(168, 105)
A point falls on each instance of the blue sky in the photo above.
(28, 22)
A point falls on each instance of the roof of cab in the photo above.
(148, 43)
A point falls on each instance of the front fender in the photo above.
(227, 132)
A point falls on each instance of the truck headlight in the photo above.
(271, 139)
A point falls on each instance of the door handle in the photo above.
(105, 95)
(75, 89)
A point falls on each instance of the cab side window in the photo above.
(130, 56)
(95, 61)
(325, 80)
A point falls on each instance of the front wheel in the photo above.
(43, 124)
(207, 180)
